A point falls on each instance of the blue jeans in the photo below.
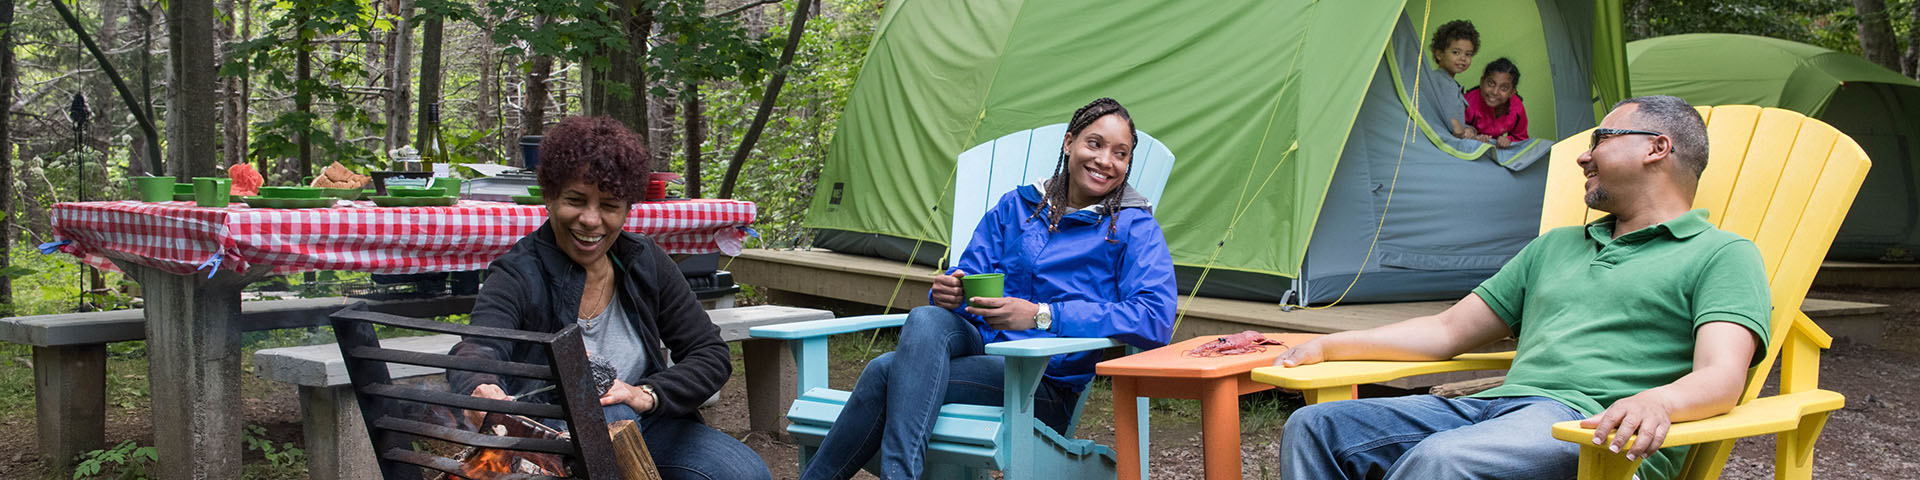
(892, 409)
(1425, 436)
(684, 449)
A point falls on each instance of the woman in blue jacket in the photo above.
(1083, 257)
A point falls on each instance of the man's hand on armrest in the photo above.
(1720, 355)
(1462, 327)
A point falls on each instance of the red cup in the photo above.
(656, 189)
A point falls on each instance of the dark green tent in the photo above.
(1878, 107)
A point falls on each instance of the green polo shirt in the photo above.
(1598, 318)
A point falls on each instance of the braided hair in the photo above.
(1056, 187)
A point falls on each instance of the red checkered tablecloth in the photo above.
(181, 238)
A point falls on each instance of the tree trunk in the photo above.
(303, 96)
(1639, 19)
(149, 148)
(533, 105)
(400, 75)
(8, 72)
(1876, 34)
(794, 32)
(1910, 64)
(695, 136)
(430, 43)
(190, 29)
(233, 144)
(487, 118)
(245, 98)
(620, 91)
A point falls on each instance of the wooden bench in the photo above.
(70, 357)
(337, 443)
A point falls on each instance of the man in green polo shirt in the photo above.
(1648, 316)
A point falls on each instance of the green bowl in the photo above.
(533, 190)
(416, 192)
(290, 192)
(344, 193)
(528, 199)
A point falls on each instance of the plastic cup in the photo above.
(154, 189)
(212, 191)
(984, 285)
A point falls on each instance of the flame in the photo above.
(509, 461)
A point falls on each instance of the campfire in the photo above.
(481, 463)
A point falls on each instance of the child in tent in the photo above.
(1453, 47)
(1493, 109)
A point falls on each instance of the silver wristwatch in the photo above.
(1043, 319)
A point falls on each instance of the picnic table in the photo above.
(192, 263)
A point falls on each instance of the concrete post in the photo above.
(193, 364)
(336, 435)
(70, 392)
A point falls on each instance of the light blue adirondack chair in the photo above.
(971, 440)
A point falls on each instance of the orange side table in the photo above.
(1217, 382)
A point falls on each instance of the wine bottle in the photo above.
(432, 153)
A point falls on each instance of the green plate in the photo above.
(528, 199)
(415, 201)
(344, 193)
(269, 202)
(183, 197)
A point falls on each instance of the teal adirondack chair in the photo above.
(970, 440)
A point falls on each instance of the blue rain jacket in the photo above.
(1122, 289)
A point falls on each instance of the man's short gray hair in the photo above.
(1680, 122)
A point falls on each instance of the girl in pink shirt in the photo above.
(1493, 109)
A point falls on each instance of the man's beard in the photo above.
(1597, 198)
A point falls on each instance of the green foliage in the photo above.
(528, 27)
(780, 172)
(283, 456)
(273, 54)
(1826, 23)
(57, 284)
(701, 49)
(126, 461)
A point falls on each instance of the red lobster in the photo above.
(1237, 344)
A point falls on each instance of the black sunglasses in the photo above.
(1602, 134)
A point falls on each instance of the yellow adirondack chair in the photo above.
(1776, 177)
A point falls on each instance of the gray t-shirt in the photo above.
(610, 336)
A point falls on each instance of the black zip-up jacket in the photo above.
(536, 287)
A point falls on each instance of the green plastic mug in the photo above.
(450, 184)
(154, 189)
(984, 285)
(212, 191)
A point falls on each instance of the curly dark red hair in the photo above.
(599, 150)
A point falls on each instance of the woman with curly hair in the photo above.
(624, 292)
(1083, 257)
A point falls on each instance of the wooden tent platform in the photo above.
(855, 284)
(1863, 274)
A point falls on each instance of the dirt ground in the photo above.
(1869, 439)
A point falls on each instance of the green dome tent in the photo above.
(1878, 107)
(1262, 100)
